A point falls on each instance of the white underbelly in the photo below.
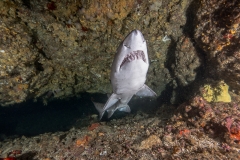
(130, 78)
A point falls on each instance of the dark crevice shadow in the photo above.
(186, 92)
(33, 118)
(166, 95)
(183, 93)
(171, 58)
(27, 156)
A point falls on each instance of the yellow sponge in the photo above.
(217, 94)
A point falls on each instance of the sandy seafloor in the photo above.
(151, 131)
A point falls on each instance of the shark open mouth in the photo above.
(133, 56)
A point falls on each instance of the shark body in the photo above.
(128, 74)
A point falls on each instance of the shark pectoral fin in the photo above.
(145, 91)
(126, 108)
(120, 107)
(110, 112)
(99, 107)
(111, 101)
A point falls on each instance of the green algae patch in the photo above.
(218, 93)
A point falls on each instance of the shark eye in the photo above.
(127, 46)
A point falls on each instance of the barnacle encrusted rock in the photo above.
(216, 119)
(96, 15)
(18, 62)
(218, 34)
(57, 49)
(149, 142)
(186, 62)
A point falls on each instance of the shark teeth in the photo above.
(135, 55)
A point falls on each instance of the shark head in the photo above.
(134, 47)
(130, 64)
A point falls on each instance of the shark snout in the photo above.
(136, 32)
(138, 35)
(134, 39)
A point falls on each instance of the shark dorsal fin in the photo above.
(145, 91)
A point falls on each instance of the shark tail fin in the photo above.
(99, 107)
(111, 101)
(110, 113)
(121, 107)
(145, 91)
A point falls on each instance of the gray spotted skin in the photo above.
(128, 74)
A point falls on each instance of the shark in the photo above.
(128, 75)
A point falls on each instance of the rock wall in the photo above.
(217, 32)
(58, 49)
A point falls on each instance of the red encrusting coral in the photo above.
(51, 6)
(93, 126)
(228, 36)
(82, 142)
(235, 132)
(10, 157)
(184, 132)
(85, 29)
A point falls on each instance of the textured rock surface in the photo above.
(217, 32)
(186, 62)
(219, 120)
(57, 49)
(195, 130)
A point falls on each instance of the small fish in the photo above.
(128, 75)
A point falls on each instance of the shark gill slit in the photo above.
(135, 55)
